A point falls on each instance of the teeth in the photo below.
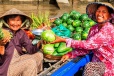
(14, 27)
(99, 17)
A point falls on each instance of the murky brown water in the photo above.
(45, 6)
(30, 7)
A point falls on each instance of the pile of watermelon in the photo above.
(57, 49)
(79, 24)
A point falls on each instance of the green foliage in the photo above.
(1, 34)
(39, 19)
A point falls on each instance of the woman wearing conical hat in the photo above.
(15, 62)
(100, 41)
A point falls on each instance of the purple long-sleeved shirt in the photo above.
(19, 40)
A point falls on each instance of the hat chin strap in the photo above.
(26, 23)
(3, 22)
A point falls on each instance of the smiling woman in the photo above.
(100, 41)
(14, 58)
(91, 12)
(14, 22)
(102, 14)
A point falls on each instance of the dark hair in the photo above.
(109, 9)
(13, 16)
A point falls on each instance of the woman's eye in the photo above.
(11, 19)
(97, 11)
(104, 12)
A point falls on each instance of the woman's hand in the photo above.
(64, 58)
(39, 44)
(59, 39)
(4, 41)
(2, 50)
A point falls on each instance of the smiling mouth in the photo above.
(99, 17)
(15, 25)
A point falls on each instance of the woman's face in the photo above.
(15, 23)
(102, 14)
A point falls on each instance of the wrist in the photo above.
(67, 55)
(2, 49)
(63, 40)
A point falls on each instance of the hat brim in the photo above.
(92, 7)
(14, 11)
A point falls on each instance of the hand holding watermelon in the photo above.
(58, 39)
(5, 37)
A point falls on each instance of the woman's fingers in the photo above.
(58, 39)
(5, 41)
(64, 58)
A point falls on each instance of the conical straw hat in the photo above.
(15, 11)
(92, 7)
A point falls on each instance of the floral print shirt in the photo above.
(100, 42)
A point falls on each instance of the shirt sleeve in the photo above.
(103, 37)
(77, 52)
(27, 44)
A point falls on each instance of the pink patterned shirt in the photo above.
(101, 42)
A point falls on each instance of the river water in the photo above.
(34, 7)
